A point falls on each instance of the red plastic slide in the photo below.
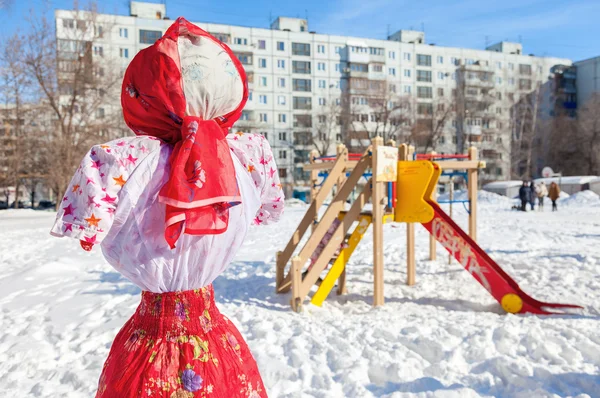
(476, 261)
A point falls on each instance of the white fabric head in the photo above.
(211, 83)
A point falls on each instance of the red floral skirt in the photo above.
(178, 345)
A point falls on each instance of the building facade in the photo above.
(588, 79)
(311, 91)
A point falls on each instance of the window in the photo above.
(262, 99)
(149, 36)
(81, 25)
(470, 61)
(440, 92)
(302, 121)
(282, 137)
(100, 113)
(281, 99)
(392, 71)
(300, 49)
(322, 84)
(301, 67)
(424, 109)
(68, 23)
(245, 58)
(282, 154)
(264, 134)
(392, 54)
(440, 59)
(303, 103)
(454, 140)
(440, 107)
(524, 69)
(245, 115)
(511, 66)
(301, 84)
(424, 92)
(99, 51)
(280, 46)
(499, 65)
(524, 84)
(406, 72)
(123, 33)
(423, 60)
(263, 117)
(124, 52)
(338, 67)
(249, 95)
(262, 62)
(281, 63)
(499, 111)
(441, 75)
(540, 69)
(376, 51)
(320, 65)
(321, 49)
(262, 44)
(359, 67)
(322, 101)
(376, 68)
(240, 40)
(282, 173)
(338, 49)
(263, 81)
(407, 89)
(442, 140)
(281, 82)
(406, 56)
(511, 96)
(455, 61)
(423, 75)
(392, 88)
(222, 37)
(281, 117)
(322, 118)
(511, 81)
(499, 140)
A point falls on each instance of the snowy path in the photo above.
(61, 307)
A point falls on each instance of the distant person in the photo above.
(553, 194)
(542, 192)
(524, 195)
(532, 195)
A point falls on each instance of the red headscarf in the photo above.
(202, 183)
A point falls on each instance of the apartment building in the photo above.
(300, 81)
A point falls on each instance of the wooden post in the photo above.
(279, 271)
(472, 192)
(406, 153)
(377, 201)
(296, 271)
(451, 198)
(432, 241)
(314, 178)
(341, 289)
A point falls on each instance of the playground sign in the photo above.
(387, 164)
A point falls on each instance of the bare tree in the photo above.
(15, 90)
(589, 134)
(327, 126)
(430, 124)
(79, 84)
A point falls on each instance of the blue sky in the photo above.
(560, 28)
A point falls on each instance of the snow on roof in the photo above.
(503, 184)
(570, 180)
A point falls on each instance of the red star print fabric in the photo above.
(88, 207)
(256, 156)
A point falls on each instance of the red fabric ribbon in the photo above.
(202, 185)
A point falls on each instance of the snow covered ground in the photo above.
(60, 308)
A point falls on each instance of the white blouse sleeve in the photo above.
(87, 209)
(256, 155)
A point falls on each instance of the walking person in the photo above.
(533, 195)
(524, 195)
(542, 192)
(170, 208)
(554, 194)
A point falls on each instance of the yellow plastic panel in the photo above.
(413, 184)
(437, 171)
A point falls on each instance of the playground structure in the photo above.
(411, 198)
